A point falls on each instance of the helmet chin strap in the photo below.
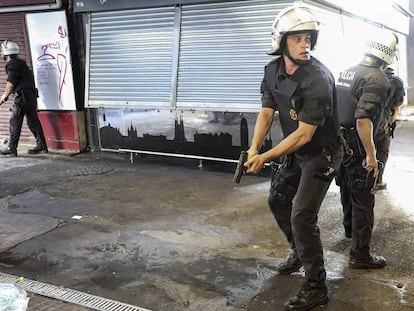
(297, 61)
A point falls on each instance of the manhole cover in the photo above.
(90, 170)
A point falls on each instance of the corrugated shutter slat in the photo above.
(222, 54)
(131, 58)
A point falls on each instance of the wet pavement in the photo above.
(168, 235)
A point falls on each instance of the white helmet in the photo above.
(9, 48)
(383, 46)
(295, 18)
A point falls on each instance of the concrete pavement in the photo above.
(166, 235)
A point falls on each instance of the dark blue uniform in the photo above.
(300, 184)
(361, 91)
(25, 103)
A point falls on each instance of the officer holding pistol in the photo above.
(362, 91)
(20, 82)
(302, 90)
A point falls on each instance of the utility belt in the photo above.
(26, 92)
(314, 150)
(285, 161)
(25, 95)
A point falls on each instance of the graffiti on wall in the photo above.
(49, 44)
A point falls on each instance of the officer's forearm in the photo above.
(365, 132)
(297, 139)
(263, 124)
(9, 89)
(286, 146)
(395, 114)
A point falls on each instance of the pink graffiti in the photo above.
(57, 51)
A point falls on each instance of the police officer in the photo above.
(20, 82)
(386, 131)
(362, 91)
(302, 90)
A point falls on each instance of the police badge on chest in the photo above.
(295, 104)
(293, 114)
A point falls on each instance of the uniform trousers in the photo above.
(25, 107)
(297, 190)
(358, 200)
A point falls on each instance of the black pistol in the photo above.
(240, 169)
(370, 180)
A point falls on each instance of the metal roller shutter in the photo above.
(222, 54)
(12, 27)
(130, 61)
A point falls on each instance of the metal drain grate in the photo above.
(68, 295)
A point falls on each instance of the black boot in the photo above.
(9, 152)
(373, 262)
(308, 298)
(37, 150)
(290, 264)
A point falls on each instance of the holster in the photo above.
(354, 143)
(288, 160)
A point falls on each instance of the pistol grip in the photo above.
(240, 169)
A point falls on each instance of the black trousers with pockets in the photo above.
(297, 191)
(25, 107)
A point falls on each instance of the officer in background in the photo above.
(302, 89)
(386, 131)
(362, 91)
(20, 82)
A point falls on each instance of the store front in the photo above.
(183, 77)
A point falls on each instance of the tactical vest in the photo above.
(361, 92)
(347, 103)
(287, 92)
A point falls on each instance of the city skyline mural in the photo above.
(210, 134)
